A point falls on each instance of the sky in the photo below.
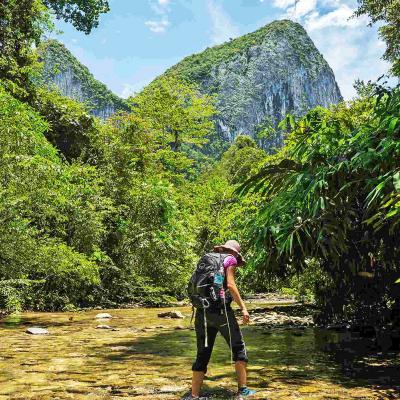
(139, 39)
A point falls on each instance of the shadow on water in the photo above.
(360, 358)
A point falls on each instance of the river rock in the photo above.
(103, 327)
(273, 319)
(3, 313)
(171, 314)
(37, 331)
(172, 389)
(103, 316)
(179, 328)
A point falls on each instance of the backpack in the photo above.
(206, 282)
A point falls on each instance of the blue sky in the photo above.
(138, 39)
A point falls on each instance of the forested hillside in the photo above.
(62, 71)
(104, 213)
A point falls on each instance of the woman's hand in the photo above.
(230, 276)
(246, 316)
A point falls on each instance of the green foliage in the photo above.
(332, 194)
(304, 285)
(51, 214)
(218, 213)
(84, 14)
(150, 241)
(197, 67)
(70, 124)
(11, 294)
(23, 22)
(176, 111)
(387, 14)
(97, 213)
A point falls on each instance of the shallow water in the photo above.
(150, 358)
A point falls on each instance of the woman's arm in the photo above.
(234, 291)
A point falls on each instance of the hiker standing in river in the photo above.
(212, 288)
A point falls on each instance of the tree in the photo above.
(23, 23)
(219, 214)
(83, 14)
(387, 13)
(176, 111)
(333, 195)
(51, 216)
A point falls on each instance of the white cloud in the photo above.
(222, 26)
(295, 8)
(128, 90)
(345, 50)
(330, 3)
(302, 7)
(161, 8)
(341, 16)
(159, 26)
(282, 3)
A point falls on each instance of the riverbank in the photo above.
(147, 357)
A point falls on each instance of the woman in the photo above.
(222, 320)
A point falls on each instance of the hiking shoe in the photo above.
(245, 391)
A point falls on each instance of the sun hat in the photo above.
(234, 246)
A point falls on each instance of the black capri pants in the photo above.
(217, 322)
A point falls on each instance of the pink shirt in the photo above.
(230, 261)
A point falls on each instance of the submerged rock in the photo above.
(171, 314)
(171, 389)
(103, 327)
(37, 331)
(103, 316)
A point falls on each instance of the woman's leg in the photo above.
(234, 338)
(199, 367)
(197, 381)
(241, 373)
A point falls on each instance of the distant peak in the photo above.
(197, 66)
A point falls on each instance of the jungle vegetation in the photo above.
(108, 213)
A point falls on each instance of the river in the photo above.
(146, 357)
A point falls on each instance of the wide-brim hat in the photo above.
(231, 246)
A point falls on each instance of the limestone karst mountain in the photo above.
(62, 70)
(260, 77)
(257, 78)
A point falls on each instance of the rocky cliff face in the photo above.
(260, 77)
(64, 72)
(257, 79)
